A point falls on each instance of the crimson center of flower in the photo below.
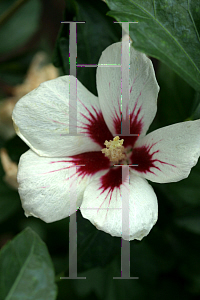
(115, 151)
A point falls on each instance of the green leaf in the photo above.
(177, 100)
(166, 30)
(100, 281)
(95, 247)
(196, 107)
(93, 37)
(175, 97)
(26, 270)
(16, 31)
(13, 71)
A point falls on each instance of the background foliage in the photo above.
(33, 254)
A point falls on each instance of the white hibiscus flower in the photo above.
(41, 119)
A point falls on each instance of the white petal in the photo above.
(44, 186)
(143, 89)
(42, 116)
(168, 154)
(103, 209)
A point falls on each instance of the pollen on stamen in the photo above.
(114, 150)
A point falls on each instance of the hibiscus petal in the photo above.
(42, 117)
(168, 154)
(102, 204)
(45, 185)
(143, 91)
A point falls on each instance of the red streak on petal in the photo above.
(93, 161)
(132, 86)
(96, 128)
(145, 161)
(58, 122)
(136, 124)
(111, 180)
(57, 169)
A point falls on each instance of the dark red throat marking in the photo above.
(144, 160)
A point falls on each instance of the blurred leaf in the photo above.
(26, 270)
(100, 281)
(185, 191)
(167, 30)
(195, 285)
(93, 37)
(9, 198)
(161, 252)
(66, 291)
(187, 248)
(9, 203)
(196, 107)
(95, 247)
(171, 286)
(144, 258)
(13, 70)
(176, 97)
(16, 31)
(190, 221)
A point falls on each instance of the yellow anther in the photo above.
(114, 150)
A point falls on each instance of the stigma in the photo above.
(114, 150)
